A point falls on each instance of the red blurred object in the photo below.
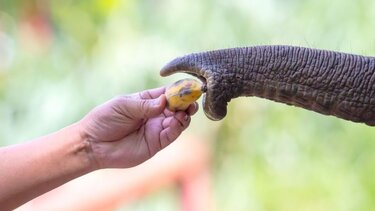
(35, 27)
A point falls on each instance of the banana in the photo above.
(182, 93)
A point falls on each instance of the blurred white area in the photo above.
(6, 51)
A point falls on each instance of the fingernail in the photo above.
(186, 118)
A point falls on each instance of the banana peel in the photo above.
(183, 93)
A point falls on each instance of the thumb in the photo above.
(140, 108)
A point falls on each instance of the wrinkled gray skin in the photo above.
(331, 83)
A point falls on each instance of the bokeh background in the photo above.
(59, 59)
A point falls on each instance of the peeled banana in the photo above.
(182, 93)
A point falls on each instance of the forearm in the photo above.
(33, 168)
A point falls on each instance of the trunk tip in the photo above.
(172, 67)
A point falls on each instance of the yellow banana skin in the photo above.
(182, 93)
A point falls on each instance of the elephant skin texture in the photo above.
(327, 82)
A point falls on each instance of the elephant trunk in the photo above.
(327, 82)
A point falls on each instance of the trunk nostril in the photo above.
(204, 88)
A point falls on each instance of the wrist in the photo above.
(83, 147)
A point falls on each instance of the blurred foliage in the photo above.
(58, 59)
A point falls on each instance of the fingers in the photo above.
(157, 92)
(150, 93)
(179, 118)
(139, 108)
(173, 127)
(192, 109)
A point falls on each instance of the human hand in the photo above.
(128, 130)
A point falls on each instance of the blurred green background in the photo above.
(59, 59)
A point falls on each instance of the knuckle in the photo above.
(145, 94)
(173, 135)
(144, 106)
(119, 100)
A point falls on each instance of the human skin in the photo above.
(120, 133)
(188, 170)
(328, 82)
